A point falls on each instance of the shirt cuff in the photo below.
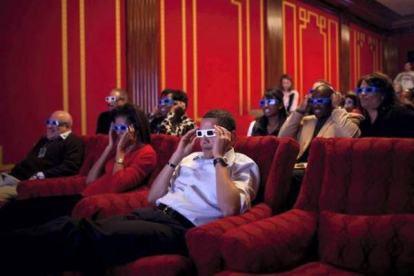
(40, 175)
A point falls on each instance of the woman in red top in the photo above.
(126, 161)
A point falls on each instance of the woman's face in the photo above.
(349, 104)
(121, 121)
(270, 109)
(369, 100)
(286, 84)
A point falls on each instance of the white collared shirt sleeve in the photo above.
(246, 176)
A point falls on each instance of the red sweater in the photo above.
(138, 164)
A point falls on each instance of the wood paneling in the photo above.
(142, 51)
(274, 43)
(344, 70)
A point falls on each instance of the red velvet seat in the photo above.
(94, 146)
(354, 215)
(275, 159)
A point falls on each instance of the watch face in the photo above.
(222, 161)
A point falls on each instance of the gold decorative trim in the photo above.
(248, 57)
(118, 43)
(295, 47)
(65, 71)
(240, 46)
(262, 56)
(82, 64)
(195, 69)
(162, 38)
(184, 42)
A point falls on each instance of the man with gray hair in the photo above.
(117, 97)
(58, 153)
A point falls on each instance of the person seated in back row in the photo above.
(329, 120)
(274, 115)
(191, 190)
(58, 153)
(169, 116)
(117, 98)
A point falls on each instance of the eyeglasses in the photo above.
(268, 102)
(365, 90)
(111, 99)
(122, 128)
(50, 122)
(349, 102)
(319, 101)
(205, 133)
(165, 101)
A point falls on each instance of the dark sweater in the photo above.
(63, 157)
(260, 127)
(395, 121)
(104, 123)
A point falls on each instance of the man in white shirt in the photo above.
(191, 190)
(58, 153)
(406, 78)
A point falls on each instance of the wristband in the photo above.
(171, 165)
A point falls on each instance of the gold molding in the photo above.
(162, 38)
(248, 57)
(82, 64)
(4, 167)
(118, 43)
(195, 69)
(262, 56)
(65, 70)
(240, 46)
(295, 49)
(184, 42)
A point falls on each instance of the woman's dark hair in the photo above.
(288, 77)
(136, 117)
(382, 81)
(262, 121)
(224, 118)
(178, 95)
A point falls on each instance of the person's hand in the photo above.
(155, 111)
(125, 139)
(112, 136)
(221, 142)
(185, 146)
(304, 105)
(336, 99)
(179, 107)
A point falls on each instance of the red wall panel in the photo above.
(214, 51)
(33, 66)
(311, 45)
(366, 53)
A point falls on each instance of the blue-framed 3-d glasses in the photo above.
(50, 122)
(319, 101)
(349, 102)
(122, 128)
(205, 133)
(165, 101)
(366, 90)
(268, 102)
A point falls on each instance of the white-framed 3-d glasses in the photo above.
(205, 133)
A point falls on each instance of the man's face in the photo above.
(119, 101)
(207, 143)
(165, 107)
(369, 100)
(407, 66)
(53, 131)
(321, 104)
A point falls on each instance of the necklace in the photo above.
(42, 151)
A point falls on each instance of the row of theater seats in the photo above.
(353, 214)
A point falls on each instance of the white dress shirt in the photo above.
(193, 191)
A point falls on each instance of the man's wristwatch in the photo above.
(221, 161)
(120, 160)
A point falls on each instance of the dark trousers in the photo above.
(81, 245)
(295, 186)
(25, 213)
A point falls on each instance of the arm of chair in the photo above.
(271, 244)
(106, 205)
(203, 241)
(51, 187)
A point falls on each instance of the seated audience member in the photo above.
(58, 153)
(169, 118)
(290, 96)
(274, 115)
(398, 89)
(406, 78)
(351, 103)
(191, 190)
(117, 97)
(126, 161)
(407, 97)
(385, 115)
(329, 120)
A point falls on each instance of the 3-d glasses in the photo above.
(205, 133)
(111, 99)
(268, 102)
(50, 122)
(319, 101)
(365, 90)
(349, 102)
(122, 128)
(165, 101)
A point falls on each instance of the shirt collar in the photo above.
(65, 135)
(229, 156)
